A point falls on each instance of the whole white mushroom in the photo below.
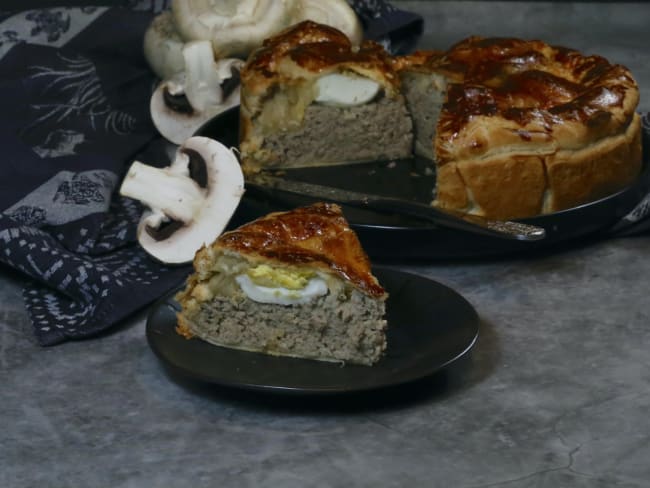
(235, 27)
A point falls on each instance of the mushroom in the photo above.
(190, 202)
(336, 13)
(163, 46)
(235, 27)
(181, 46)
(180, 105)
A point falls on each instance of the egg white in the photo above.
(315, 287)
(341, 90)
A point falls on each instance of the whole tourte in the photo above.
(516, 128)
(294, 283)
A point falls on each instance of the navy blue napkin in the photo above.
(397, 30)
(75, 90)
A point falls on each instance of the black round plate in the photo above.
(429, 326)
(400, 237)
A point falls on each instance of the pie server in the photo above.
(275, 186)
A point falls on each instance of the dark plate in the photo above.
(429, 326)
(401, 237)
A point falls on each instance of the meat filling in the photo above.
(334, 135)
(425, 94)
(346, 325)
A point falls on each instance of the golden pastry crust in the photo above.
(309, 50)
(317, 236)
(530, 128)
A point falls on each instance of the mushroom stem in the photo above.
(168, 190)
(202, 80)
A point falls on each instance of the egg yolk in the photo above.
(265, 275)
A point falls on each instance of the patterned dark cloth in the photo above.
(397, 30)
(75, 91)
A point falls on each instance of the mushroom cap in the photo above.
(163, 46)
(234, 27)
(335, 13)
(224, 190)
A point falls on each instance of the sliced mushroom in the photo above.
(190, 202)
(204, 76)
(180, 105)
(163, 47)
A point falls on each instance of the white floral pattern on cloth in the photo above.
(80, 292)
(80, 91)
(50, 27)
(71, 139)
(66, 197)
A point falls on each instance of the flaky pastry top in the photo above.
(504, 93)
(309, 50)
(316, 236)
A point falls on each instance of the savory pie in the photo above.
(294, 283)
(516, 128)
(309, 98)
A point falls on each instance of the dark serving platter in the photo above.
(400, 237)
(429, 327)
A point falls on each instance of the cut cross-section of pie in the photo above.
(294, 283)
(311, 98)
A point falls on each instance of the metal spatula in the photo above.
(503, 229)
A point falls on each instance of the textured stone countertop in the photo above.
(556, 391)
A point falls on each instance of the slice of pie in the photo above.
(294, 283)
(311, 98)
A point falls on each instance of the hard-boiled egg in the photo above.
(346, 90)
(279, 295)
